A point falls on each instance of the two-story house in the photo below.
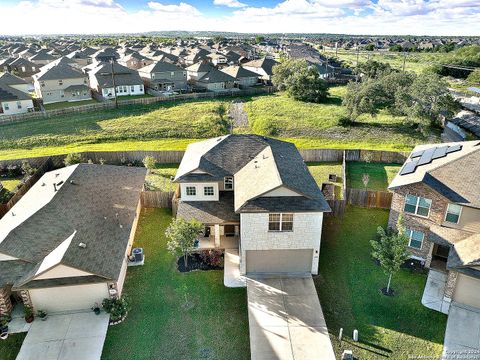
(263, 67)
(254, 194)
(164, 76)
(14, 95)
(438, 191)
(127, 81)
(61, 82)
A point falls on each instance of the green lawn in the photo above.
(9, 348)
(349, 289)
(321, 170)
(157, 326)
(172, 125)
(9, 185)
(159, 178)
(380, 175)
(67, 104)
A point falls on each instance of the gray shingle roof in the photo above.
(58, 72)
(160, 66)
(215, 76)
(123, 75)
(97, 209)
(239, 72)
(210, 212)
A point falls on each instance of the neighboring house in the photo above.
(262, 67)
(198, 70)
(64, 245)
(127, 81)
(438, 191)
(105, 55)
(61, 82)
(196, 56)
(135, 61)
(217, 59)
(254, 193)
(164, 76)
(14, 95)
(42, 58)
(215, 80)
(243, 77)
(21, 67)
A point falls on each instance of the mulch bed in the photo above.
(195, 262)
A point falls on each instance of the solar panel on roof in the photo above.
(440, 151)
(409, 167)
(417, 154)
(426, 157)
(454, 148)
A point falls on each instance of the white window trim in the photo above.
(459, 215)
(190, 187)
(416, 206)
(410, 239)
(208, 187)
(225, 182)
(281, 222)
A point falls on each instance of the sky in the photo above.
(360, 17)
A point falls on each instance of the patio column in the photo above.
(217, 235)
(5, 303)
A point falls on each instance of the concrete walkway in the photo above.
(78, 336)
(231, 270)
(462, 335)
(434, 291)
(286, 320)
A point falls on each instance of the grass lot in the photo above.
(172, 125)
(381, 175)
(320, 172)
(349, 290)
(67, 104)
(157, 326)
(159, 178)
(282, 116)
(9, 348)
(9, 185)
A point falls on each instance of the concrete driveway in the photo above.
(286, 321)
(462, 335)
(78, 336)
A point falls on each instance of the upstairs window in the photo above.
(19, 104)
(417, 205)
(280, 222)
(228, 183)
(191, 190)
(453, 213)
(60, 82)
(415, 238)
(208, 191)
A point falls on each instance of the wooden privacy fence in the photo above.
(156, 199)
(376, 156)
(46, 166)
(369, 199)
(109, 104)
(337, 206)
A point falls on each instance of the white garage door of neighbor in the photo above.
(279, 261)
(66, 298)
(467, 291)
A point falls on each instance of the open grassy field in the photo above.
(172, 125)
(349, 284)
(158, 179)
(380, 175)
(158, 326)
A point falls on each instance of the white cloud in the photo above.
(229, 3)
(416, 17)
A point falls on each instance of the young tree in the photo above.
(181, 236)
(365, 180)
(149, 162)
(474, 77)
(391, 250)
(72, 159)
(372, 69)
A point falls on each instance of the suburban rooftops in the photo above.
(451, 169)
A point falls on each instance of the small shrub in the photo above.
(117, 308)
(72, 159)
(149, 162)
(345, 121)
(212, 257)
(27, 169)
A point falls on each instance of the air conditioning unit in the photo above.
(138, 254)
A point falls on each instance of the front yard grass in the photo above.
(10, 348)
(380, 175)
(349, 290)
(320, 172)
(157, 326)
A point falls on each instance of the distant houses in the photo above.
(164, 76)
(127, 81)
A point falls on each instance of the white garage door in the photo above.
(467, 290)
(279, 261)
(66, 298)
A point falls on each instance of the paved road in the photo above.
(286, 320)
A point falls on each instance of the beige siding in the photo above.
(281, 191)
(467, 290)
(200, 192)
(469, 220)
(62, 271)
(68, 298)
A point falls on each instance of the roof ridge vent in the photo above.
(82, 245)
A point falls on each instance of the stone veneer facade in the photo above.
(415, 222)
(306, 234)
(5, 303)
